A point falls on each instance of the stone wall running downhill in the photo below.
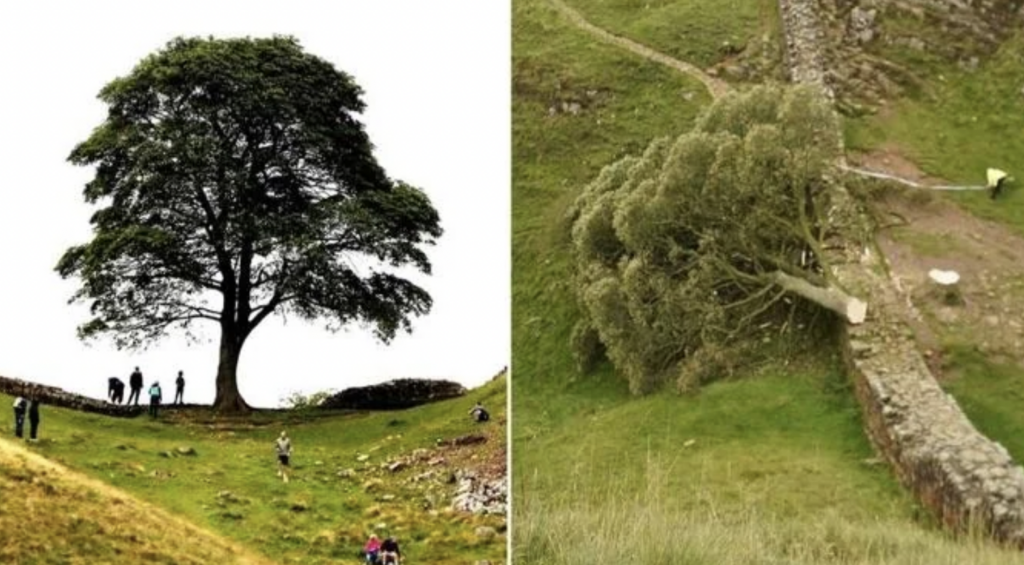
(959, 474)
(397, 394)
(53, 396)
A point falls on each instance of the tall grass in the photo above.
(648, 528)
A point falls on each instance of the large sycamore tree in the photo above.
(235, 182)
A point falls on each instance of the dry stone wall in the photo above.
(962, 476)
(397, 394)
(53, 396)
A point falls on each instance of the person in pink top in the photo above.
(372, 549)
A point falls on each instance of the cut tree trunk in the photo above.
(849, 307)
(229, 400)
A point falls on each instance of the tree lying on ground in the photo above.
(683, 251)
(236, 184)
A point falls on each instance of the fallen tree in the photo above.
(704, 237)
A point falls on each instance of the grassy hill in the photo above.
(49, 514)
(772, 467)
(219, 474)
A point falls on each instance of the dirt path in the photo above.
(988, 256)
(715, 86)
(122, 505)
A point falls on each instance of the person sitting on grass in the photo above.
(389, 552)
(479, 414)
(284, 452)
(372, 550)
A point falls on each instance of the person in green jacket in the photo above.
(155, 394)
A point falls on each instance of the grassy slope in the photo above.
(338, 512)
(777, 468)
(962, 124)
(51, 515)
(691, 30)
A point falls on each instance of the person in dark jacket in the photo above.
(479, 413)
(20, 404)
(135, 382)
(33, 419)
(179, 388)
(389, 552)
(115, 390)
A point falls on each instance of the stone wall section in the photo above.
(53, 396)
(963, 477)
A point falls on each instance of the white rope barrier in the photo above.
(885, 176)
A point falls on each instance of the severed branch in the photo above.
(849, 307)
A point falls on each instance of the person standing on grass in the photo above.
(135, 382)
(179, 388)
(33, 419)
(284, 453)
(389, 552)
(155, 394)
(19, 416)
(372, 550)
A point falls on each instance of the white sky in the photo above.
(437, 89)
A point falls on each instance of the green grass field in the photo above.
(770, 468)
(230, 485)
(702, 32)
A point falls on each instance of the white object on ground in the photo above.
(944, 278)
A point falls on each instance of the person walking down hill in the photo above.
(479, 413)
(155, 395)
(179, 388)
(20, 404)
(115, 390)
(33, 419)
(389, 552)
(372, 550)
(284, 453)
(135, 382)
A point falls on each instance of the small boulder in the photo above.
(397, 466)
(186, 450)
(486, 532)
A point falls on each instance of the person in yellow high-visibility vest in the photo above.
(996, 179)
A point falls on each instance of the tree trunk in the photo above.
(229, 400)
(853, 309)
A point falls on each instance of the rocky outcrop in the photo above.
(860, 36)
(478, 495)
(394, 395)
(53, 396)
(966, 479)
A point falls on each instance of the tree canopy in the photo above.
(234, 182)
(680, 251)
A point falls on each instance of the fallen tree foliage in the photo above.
(683, 251)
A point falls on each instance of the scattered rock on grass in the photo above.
(186, 450)
(397, 466)
(486, 532)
